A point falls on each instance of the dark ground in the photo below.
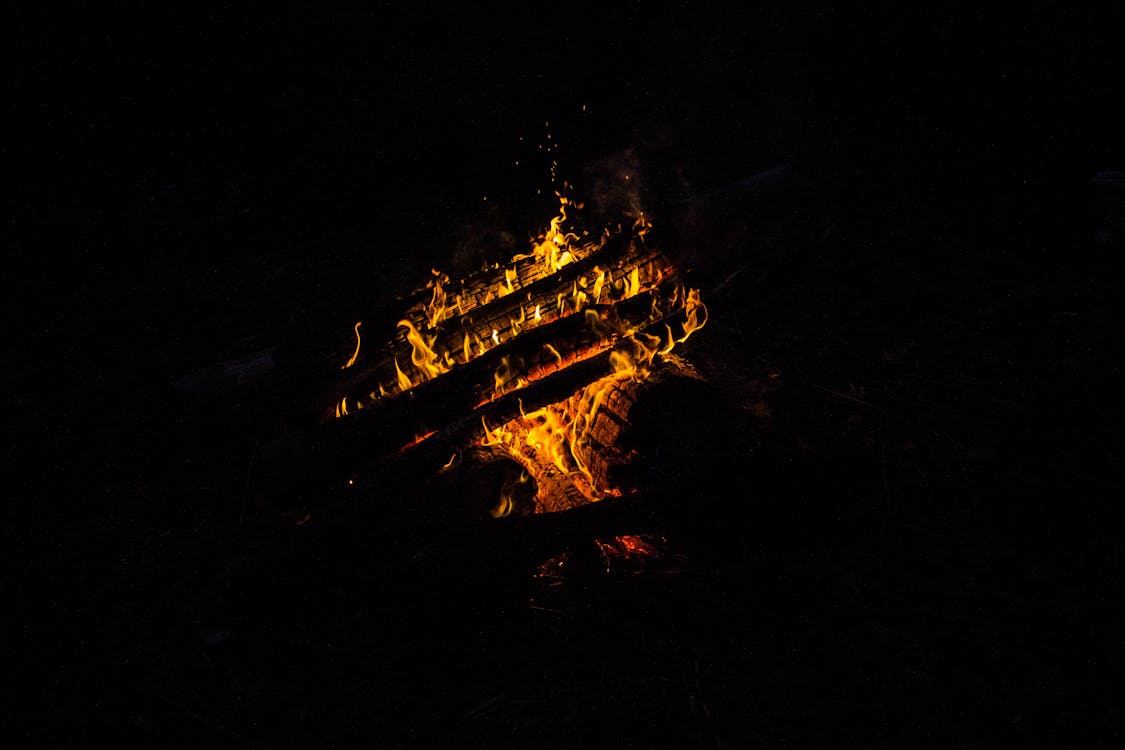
(918, 539)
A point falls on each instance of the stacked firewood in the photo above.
(524, 383)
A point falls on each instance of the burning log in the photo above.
(558, 307)
(444, 414)
(619, 434)
(423, 351)
(487, 481)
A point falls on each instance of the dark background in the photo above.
(188, 187)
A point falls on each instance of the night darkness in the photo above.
(918, 542)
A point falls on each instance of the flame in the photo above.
(559, 435)
(423, 356)
(579, 297)
(547, 434)
(507, 493)
(404, 383)
(355, 354)
(553, 247)
(598, 285)
(517, 323)
(633, 283)
(641, 226)
(499, 436)
(693, 308)
(435, 310)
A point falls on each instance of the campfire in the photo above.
(540, 385)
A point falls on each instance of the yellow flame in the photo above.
(403, 381)
(423, 356)
(538, 315)
(693, 309)
(547, 434)
(355, 354)
(516, 324)
(498, 436)
(555, 352)
(504, 508)
(495, 337)
(435, 310)
(553, 249)
(467, 349)
(579, 297)
(633, 284)
(641, 225)
(598, 286)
